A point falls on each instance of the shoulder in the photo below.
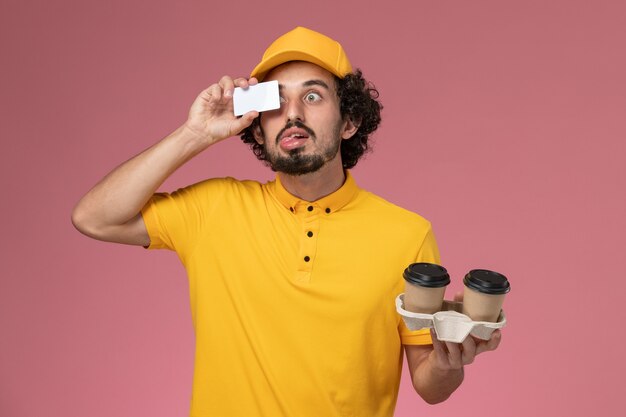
(225, 185)
(213, 192)
(391, 214)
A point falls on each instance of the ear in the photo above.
(350, 128)
(258, 132)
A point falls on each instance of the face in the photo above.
(305, 133)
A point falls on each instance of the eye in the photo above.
(312, 97)
(282, 99)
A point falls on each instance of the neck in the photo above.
(315, 185)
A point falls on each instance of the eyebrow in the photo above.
(315, 82)
(309, 83)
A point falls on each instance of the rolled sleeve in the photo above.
(153, 226)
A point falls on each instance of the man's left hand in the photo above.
(448, 356)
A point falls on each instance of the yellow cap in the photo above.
(302, 44)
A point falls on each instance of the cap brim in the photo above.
(261, 70)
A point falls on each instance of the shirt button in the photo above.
(309, 234)
(291, 209)
(327, 210)
(310, 208)
(307, 259)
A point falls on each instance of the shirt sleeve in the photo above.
(428, 252)
(174, 220)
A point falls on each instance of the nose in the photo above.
(294, 111)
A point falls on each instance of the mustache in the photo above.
(297, 124)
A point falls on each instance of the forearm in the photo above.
(111, 209)
(435, 385)
(438, 371)
(122, 193)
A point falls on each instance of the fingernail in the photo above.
(228, 93)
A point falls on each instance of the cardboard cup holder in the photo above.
(450, 324)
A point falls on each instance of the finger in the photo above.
(227, 85)
(454, 355)
(469, 351)
(441, 353)
(458, 296)
(244, 121)
(437, 344)
(491, 344)
(245, 83)
(212, 94)
(241, 82)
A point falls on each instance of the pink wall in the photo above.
(504, 124)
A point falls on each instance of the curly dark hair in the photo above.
(358, 101)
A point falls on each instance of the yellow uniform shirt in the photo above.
(292, 302)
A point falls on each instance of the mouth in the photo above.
(293, 138)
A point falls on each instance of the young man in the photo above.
(292, 282)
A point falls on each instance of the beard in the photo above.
(295, 162)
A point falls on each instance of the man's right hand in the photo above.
(211, 117)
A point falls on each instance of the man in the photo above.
(292, 282)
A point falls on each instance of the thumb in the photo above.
(243, 122)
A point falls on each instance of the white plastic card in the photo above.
(259, 97)
(449, 324)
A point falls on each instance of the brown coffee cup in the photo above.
(484, 294)
(425, 285)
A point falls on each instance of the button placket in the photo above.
(308, 240)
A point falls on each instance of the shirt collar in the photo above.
(330, 203)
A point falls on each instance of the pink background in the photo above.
(504, 124)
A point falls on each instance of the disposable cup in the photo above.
(484, 294)
(425, 285)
